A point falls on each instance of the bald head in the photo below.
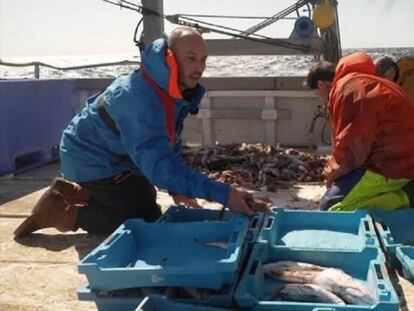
(180, 33)
(190, 51)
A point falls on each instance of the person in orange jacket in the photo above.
(372, 123)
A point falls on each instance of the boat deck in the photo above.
(40, 272)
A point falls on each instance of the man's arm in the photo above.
(354, 125)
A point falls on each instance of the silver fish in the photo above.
(340, 283)
(332, 279)
(198, 293)
(292, 271)
(217, 244)
(307, 293)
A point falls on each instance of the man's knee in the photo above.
(333, 195)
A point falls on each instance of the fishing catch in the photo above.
(333, 281)
(307, 293)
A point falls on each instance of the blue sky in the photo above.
(65, 27)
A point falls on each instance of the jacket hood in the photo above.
(160, 64)
(355, 63)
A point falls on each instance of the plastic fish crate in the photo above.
(395, 229)
(366, 266)
(179, 213)
(319, 230)
(140, 254)
(158, 303)
(405, 255)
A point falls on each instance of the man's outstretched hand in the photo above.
(237, 201)
(182, 200)
(243, 202)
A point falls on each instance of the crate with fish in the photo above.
(395, 229)
(405, 255)
(319, 230)
(180, 213)
(128, 298)
(281, 278)
(193, 254)
(133, 300)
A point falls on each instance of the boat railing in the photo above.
(37, 65)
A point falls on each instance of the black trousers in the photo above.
(116, 199)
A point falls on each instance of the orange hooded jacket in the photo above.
(372, 122)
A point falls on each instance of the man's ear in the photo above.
(320, 84)
(324, 85)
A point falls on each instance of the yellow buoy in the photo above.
(323, 14)
(406, 79)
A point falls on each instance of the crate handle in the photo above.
(100, 255)
(378, 271)
(367, 226)
(323, 309)
(254, 223)
(111, 239)
(269, 222)
(383, 225)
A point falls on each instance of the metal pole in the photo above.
(153, 25)
(331, 37)
(37, 71)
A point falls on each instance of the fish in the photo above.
(332, 279)
(171, 292)
(217, 244)
(307, 293)
(342, 284)
(197, 293)
(292, 271)
(147, 291)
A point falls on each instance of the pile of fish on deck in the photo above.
(257, 166)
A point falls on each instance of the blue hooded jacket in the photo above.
(90, 151)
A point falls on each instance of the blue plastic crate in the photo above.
(140, 254)
(366, 266)
(31, 139)
(405, 255)
(321, 230)
(160, 303)
(179, 213)
(155, 302)
(395, 229)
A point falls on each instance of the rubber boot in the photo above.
(57, 208)
(71, 192)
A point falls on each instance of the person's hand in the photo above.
(182, 200)
(328, 174)
(260, 205)
(237, 201)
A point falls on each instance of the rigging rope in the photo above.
(183, 20)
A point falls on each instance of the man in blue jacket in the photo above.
(128, 139)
